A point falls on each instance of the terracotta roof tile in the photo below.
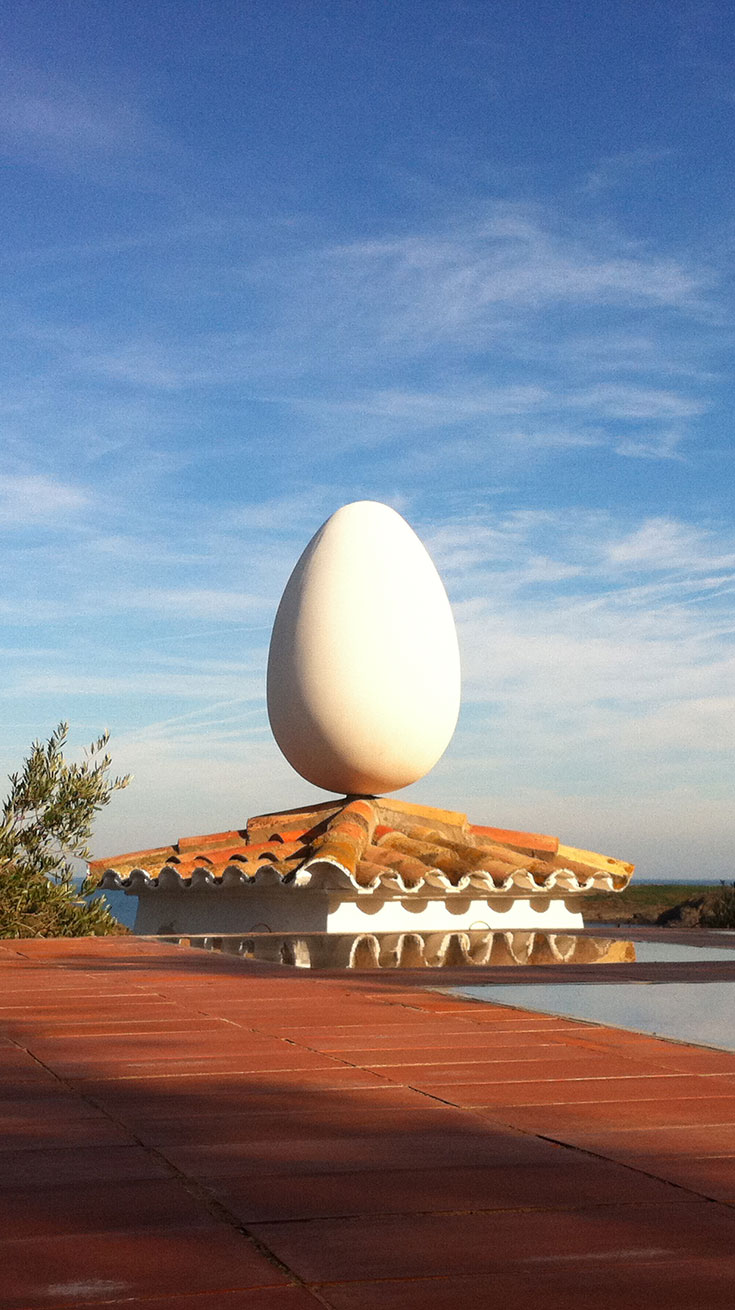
(299, 822)
(535, 842)
(365, 844)
(230, 838)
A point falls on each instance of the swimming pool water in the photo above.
(700, 1013)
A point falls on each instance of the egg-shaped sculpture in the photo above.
(363, 669)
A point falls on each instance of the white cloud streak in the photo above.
(595, 649)
(62, 122)
(36, 499)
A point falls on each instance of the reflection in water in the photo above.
(416, 950)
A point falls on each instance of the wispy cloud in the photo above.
(617, 170)
(35, 499)
(594, 645)
(464, 284)
(621, 401)
(44, 114)
(142, 685)
(181, 605)
(189, 602)
(473, 402)
(66, 121)
(456, 282)
(505, 323)
(665, 544)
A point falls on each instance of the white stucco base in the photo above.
(301, 910)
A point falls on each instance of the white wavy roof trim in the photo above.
(329, 875)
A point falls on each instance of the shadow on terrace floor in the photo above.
(181, 1096)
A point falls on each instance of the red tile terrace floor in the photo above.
(185, 1131)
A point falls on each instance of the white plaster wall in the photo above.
(300, 910)
(215, 911)
(453, 913)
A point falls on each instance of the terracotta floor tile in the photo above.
(261, 1298)
(43, 1090)
(21, 1066)
(292, 1022)
(581, 1091)
(665, 1111)
(64, 1013)
(486, 1093)
(154, 1043)
(146, 1049)
(454, 1053)
(380, 1025)
(423, 1115)
(342, 1019)
(244, 1102)
(299, 1010)
(654, 1050)
(80, 1164)
(435, 1245)
(436, 1036)
(302, 1031)
(89, 1067)
(98, 1207)
(350, 1152)
(17, 1015)
(623, 1037)
(432, 1076)
(700, 1059)
(691, 1285)
(41, 1104)
(486, 1014)
(205, 1083)
(712, 1176)
(630, 1144)
(571, 1184)
(68, 1270)
(89, 1029)
(57, 1129)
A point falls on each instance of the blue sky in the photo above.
(263, 258)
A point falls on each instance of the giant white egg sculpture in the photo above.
(363, 669)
